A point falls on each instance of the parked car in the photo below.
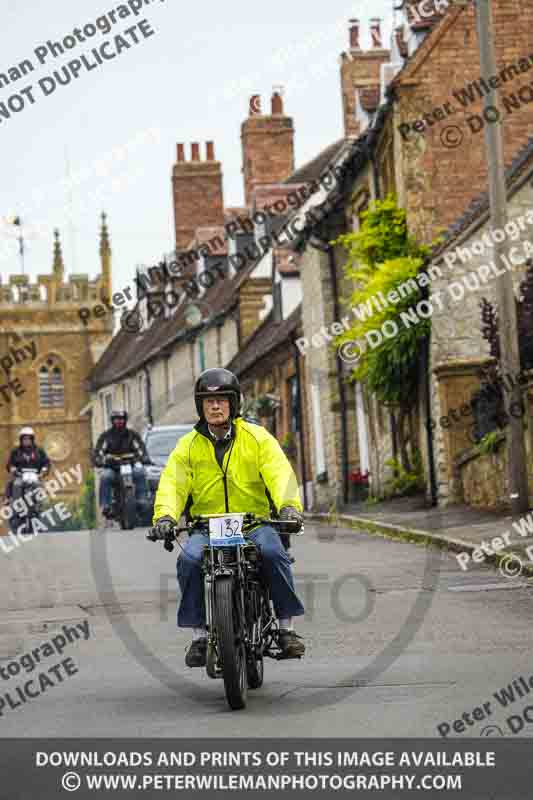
(160, 441)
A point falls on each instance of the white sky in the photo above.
(191, 81)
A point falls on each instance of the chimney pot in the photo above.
(255, 104)
(354, 35)
(195, 151)
(210, 147)
(375, 33)
(277, 102)
(181, 152)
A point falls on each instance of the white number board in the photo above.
(227, 530)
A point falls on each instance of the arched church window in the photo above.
(51, 385)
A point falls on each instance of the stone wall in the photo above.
(458, 350)
(483, 478)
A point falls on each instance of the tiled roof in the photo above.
(314, 168)
(269, 194)
(437, 26)
(128, 352)
(481, 203)
(266, 338)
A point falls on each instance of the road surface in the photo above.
(399, 641)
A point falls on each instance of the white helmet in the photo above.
(26, 432)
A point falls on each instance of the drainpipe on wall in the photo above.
(148, 396)
(296, 353)
(429, 425)
(327, 248)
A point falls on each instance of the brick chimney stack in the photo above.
(197, 193)
(360, 69)
(375, 33)
(276, 103)
(354, 35)
(267, 145)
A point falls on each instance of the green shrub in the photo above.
(404, 483)
(489, 443)
(83, 512)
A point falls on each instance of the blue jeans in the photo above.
(109, 475)
(276, 568)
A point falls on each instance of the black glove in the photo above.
(292, 514)
(98, 461)
(164, 529)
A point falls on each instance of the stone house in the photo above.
(459, 352)
(395, 104)
(271, 367)
(226, 283)
(47, 320)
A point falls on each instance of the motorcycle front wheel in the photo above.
(128, 516)
(231, 646)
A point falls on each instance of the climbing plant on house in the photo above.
(381, 257)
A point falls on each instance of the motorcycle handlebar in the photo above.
(289, 526)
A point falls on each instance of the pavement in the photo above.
(457, 528)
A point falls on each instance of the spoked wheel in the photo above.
(232, 650)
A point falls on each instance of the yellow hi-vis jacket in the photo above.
(253, 463)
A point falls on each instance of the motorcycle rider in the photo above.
(119, 440)
(229, 464)
(26, 456)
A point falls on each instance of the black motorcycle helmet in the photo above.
(218, 381)
(119, 415)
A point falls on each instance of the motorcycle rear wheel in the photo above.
(231, 650)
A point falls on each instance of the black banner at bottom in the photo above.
(488, 769)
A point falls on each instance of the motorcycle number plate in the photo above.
(30, 477)
(226, 531)
(126, 469)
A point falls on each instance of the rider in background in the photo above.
(116, 441)
(228, 464)
(26, 456)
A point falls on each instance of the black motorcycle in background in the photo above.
(123, 501)
(242, 628)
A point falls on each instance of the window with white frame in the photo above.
(107, 407)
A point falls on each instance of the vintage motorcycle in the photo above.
(123, 501)
(242, 628)
(29, 478)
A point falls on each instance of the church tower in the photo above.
(47, 349)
